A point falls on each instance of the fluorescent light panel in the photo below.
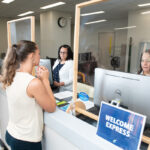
(129, 27)
(93, 13)
(7, 1)
(143, 5)
(53, 5)
(26, 13)
(98, 21)
(145, 12)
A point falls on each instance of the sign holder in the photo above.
(120, 126)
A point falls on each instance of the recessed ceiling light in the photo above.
(98, 21)
(52, 5)
(7, 1)
(26, 13)
(145, 12)
(143, 5)
(129, 27)
(93, 13)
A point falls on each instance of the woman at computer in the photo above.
(26, 96)
(63, 69)
(145, 63)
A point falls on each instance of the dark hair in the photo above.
(69, 52)
(15, 55)
(147, 51)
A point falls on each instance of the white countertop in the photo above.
(78, 132)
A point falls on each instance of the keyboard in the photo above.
(95, 110)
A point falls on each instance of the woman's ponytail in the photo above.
(14, 57)
(10, 65)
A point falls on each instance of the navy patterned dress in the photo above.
(56, 72)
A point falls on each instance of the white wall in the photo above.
(20, 30)
(3, 35)
(139, 34)
(89, 36)
(72, 35)
(37, 33)
(120, 39)
(88, 41)
(52, 36)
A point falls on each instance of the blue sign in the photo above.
(120, 126)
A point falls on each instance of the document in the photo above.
(88, 104)
(63, 95)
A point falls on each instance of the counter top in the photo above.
(74, 130)
(78, 132)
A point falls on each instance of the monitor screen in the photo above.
(47, 63)
(131, 89)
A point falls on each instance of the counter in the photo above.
(62, 131)
(74, 133)
(3, 113)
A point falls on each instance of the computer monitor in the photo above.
(52, 60)
(133, 90)
(47, 63)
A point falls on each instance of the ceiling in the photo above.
(20, 6)
(116, 8)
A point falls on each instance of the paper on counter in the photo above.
(88, 104)
(62, 95)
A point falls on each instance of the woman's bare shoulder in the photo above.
(36, 82)
(35, 86)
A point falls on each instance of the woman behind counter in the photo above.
(63, 69)
(26, 96)
(145, 63)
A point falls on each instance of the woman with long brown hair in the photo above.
(26, 96)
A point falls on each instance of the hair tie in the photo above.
(14, 46)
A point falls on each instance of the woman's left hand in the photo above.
(59, 83)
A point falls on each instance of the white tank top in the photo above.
(25, 114)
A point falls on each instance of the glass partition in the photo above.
(112, 37)
(21, 29)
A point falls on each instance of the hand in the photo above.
(61, 83)
(42, 73)
(58, 84)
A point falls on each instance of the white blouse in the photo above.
(65, 74)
